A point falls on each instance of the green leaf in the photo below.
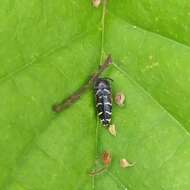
(49, 49)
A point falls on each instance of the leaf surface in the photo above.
(49, 49)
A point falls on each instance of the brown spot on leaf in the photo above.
(106, 158)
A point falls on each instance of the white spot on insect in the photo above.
(106, 90)
(105, 96)
(98, 104)
(99, 90)
(100, 113)
(108, 112)
(107, 103)
(108, 120)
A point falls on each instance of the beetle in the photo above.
(103, 96)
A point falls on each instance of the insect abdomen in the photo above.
(103, 101)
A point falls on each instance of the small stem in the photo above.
(76, 95)
(132, 164)
(98, 172)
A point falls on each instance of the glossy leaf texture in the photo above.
(49, 49)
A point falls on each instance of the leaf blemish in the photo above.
(152, 64)
(96, 3)
(124, 163)
(106, 159)
(120, 99)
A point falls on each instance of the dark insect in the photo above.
(103, 95)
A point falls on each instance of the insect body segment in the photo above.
(103, 95)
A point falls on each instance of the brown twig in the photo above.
(76, 95)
